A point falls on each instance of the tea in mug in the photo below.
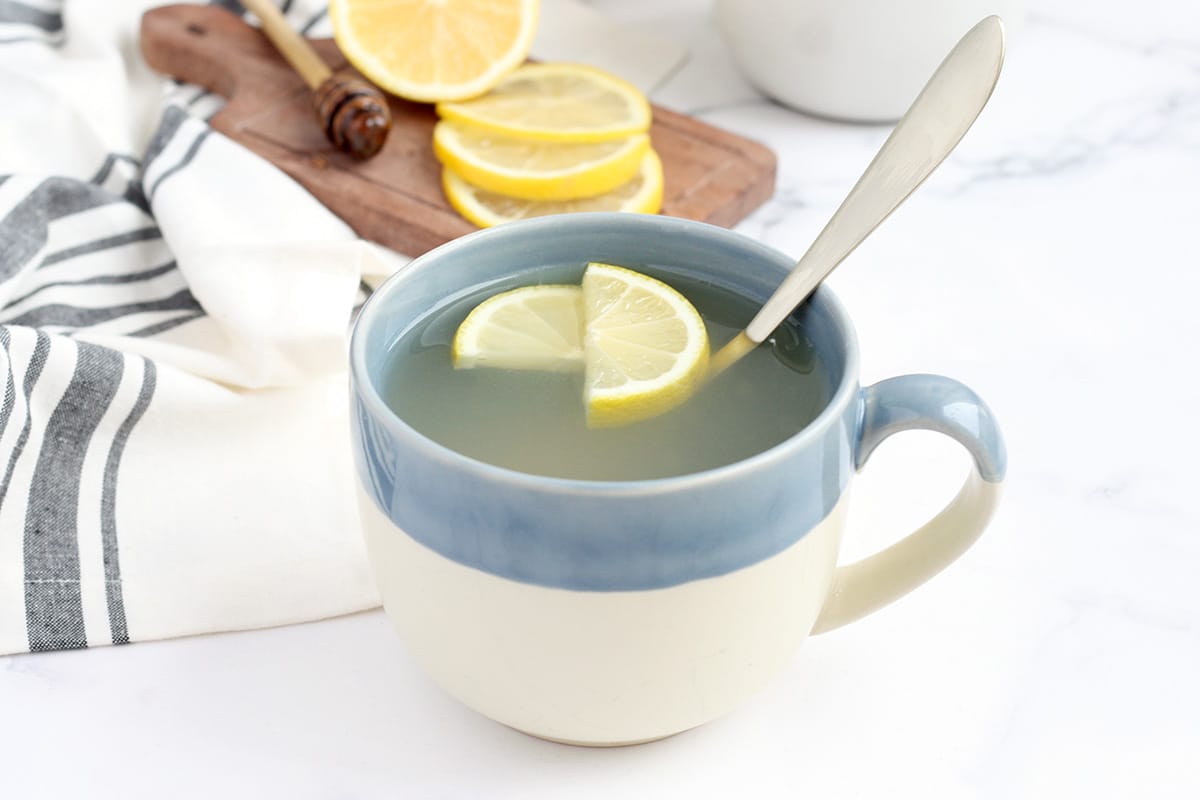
(535, 422)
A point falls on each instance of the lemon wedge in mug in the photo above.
(645, 346)
(642, 346)
(534, 327)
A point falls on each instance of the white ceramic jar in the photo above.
(859, 60)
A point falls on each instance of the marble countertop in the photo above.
(1049, 264)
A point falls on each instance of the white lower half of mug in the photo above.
(601, 667)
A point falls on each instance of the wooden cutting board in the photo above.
(396, 197)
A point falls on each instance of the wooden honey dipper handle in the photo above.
(353, 113)
(291, 45)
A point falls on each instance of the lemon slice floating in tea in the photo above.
(645, 346)
(556, 102)
(642, 346)
(533, 170)
(534, 327)
(433, 50)
(642, 194)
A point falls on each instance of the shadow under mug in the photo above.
(606, 613)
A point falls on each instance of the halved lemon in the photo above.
(645, 346)
(537, 170)
(435, 50)
(556, 102)
(642, 194)
(533, 327)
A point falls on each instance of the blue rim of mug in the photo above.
(366, 392)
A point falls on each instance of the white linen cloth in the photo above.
(174, 448)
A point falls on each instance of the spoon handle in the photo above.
(929, 130)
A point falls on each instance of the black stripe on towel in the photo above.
(108, 508)
(101, 280)
(107, 167)
(229, 5)
(107, 243)
(53, 603)
(165, 325)
(62, 315)
(37, 361)
(308, 26)
(192, 150)
(168, 126)
(24, 229)
(10, 387)
(196, 98)
(12, 11)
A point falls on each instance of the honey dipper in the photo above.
(353, 113)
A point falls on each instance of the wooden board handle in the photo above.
(205, 45)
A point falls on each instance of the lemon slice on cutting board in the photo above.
(532, 170)
(435, 50)
(645, 346)
(533, 327)
(556, 102)
(643, 194)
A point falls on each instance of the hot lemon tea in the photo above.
(534, 421)
(623, 611)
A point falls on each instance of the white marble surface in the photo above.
(1051, 265)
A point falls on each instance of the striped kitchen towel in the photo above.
(174, 453)
(174, 448)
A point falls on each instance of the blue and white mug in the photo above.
(608, 613)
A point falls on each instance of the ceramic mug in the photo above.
(859, 60)
(604, 613)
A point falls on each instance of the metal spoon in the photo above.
(929, 130)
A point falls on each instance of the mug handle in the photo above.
(927, 402)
